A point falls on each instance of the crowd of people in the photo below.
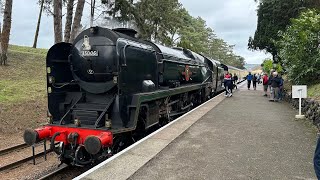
(272, 83)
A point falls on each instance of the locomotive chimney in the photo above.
(126, 31)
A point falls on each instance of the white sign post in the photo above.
(300, 92)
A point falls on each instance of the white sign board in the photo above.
(296, 91)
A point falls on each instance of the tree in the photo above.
(154, 21)
(68, 24)
(273, 16)
(57, 20)
(5, 34)
(299, 48)
(313, 3)
(77, 20)
(195, 35)
(268, 65)
(38, 26)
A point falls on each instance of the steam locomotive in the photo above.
(108, 88)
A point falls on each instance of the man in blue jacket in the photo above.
(249, 79)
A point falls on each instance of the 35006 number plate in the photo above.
(93, 53)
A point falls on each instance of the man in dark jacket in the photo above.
(254, 81)
(235, 80)
(249, 79)
(274, 82)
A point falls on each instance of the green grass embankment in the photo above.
(314, 91)
(24, 78)
(23, 101)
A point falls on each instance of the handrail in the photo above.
(71, 108)
(103, 112)
(124, 55)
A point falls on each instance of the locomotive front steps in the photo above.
(90, 106)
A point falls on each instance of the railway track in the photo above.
(24, 160)
(64, 172)
(13, 148)
(20, 149)
(54, 173)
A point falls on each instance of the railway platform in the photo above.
(242, 137)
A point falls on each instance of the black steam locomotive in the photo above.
(108, 88)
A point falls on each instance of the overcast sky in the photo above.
(232, 20)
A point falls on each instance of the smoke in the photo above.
(112, 23)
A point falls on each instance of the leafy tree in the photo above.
(155, 21)
(268, 65)
(195, 35)
(299, 48)
(273, 16)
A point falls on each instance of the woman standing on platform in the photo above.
(228, 84)
(265, 79)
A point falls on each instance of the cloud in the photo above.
(232, 20)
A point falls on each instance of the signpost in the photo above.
(299, 91)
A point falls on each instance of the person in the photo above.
(228, 84)
(265, 79)
(254, 81)
(269, 82)
(274, 82)
(316, 159)
(235, 80)
(249, 79)
(280, 87)
(259, 78)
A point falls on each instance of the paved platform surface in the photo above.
(243, 137)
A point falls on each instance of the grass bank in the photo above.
(22, 90)
(314, 91)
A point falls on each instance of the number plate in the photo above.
(92, 53)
